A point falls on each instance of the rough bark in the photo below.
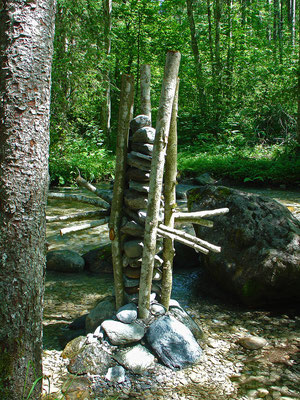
(125, 115)
(145, 90)
(156, 178)
(26, 36)
(80, 198)
(170, 203)
(298, 95)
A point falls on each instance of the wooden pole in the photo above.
(170, 203)
(145, 90)
(83, 227)
(193, 239)
(77, 197)
(182, 216)
(180, 239)
(156, 179)
(77, 216)
(103, 194)
(125, 115)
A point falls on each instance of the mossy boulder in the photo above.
(260, 240)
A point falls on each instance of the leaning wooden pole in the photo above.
(170, 203)
(145, 90)
(125, 115)
(156, 179)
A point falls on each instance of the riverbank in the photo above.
(227, 370)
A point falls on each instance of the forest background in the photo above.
(239, 84)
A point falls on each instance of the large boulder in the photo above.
(99, 260)
(64, 261)
(260, 257)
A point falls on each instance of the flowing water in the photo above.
(232, 372)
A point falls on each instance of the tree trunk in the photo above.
(26, 37)
(156, 179)
(125, 115)
(298, 117)
(170, 203)
(145, 90)
(218, 87)
(195, 49)
(106, 106)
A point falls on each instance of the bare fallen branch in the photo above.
(83, 227)
(77, 216)
(77, 197)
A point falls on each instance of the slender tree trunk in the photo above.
(26, 36)
(210, 39)
(106, 106)
(218, 87)
(195, 49)
(293, 22)
(170, 202)
(156, 178)
(146, 90)
(125, 115)
(298, 117)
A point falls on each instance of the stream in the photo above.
(229, 371)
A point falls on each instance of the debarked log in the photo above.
(191, 238)
(82, 227)
(180, 239)
(200, 214)
(77, 197)
(77, 216)
(106, 195)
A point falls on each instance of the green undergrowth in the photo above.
(272, 164)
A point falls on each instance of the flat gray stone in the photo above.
(136, 162)
(132, 228)
(139, 186)
(119, 333)
(135, 200)
(139, 122)
(138, 175)
(115, 374)
(144, 148)
(252, 342)
(144, 135)
(137, 359)
(127, 313)
(133, 248)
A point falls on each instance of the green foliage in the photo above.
(75, 151)
(273, 164)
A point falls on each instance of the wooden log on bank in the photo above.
(77, 197)
(83, 227)
(125, 115)
(156, 179)
(103, 194)
(180, 239)
(183, 216)
(169, 192)
(194, 239)
(77, 216)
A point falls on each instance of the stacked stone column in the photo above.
(139, 157)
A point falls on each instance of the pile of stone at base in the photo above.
(135, 206)
(123, 346)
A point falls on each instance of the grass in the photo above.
(259, 164)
